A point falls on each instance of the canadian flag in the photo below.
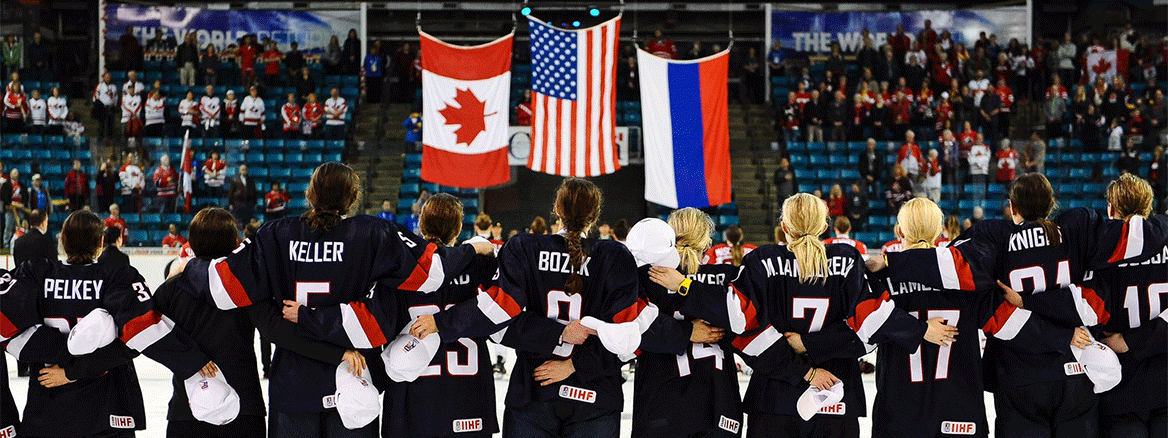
(465, 98)
(188, 176)
(1108, 63)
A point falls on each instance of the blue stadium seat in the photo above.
(807, 188)
(412, 174)
(797, 146)
(967, 204)
(409, 190)
(275, 145)
(429, 187)
(728, 221)
(332, 156)
(414, 160)
(1079, 173)
(826, 176)
(850, 174)
(151, 219)
(817, 160)
(405, 204)
(279, 174)
(798, 160)
(878, 221)
(313, 159)
(316, 145)
(997, 190)
(297, 187)
(141, 238)
(255, 157)
(335, 145)
(174, 218)
(837, 159)
(294, 158)
(816, 147)
(42, 154)
(258, 172)
(273, 157)
(302, 173)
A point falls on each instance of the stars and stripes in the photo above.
(574, 99)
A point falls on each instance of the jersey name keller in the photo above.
(316, 252)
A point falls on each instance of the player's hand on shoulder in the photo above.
(484, 248)
(875, 264)
(668, 278)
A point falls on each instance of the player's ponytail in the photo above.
(734, 239)
(952, 227)
(1032, 198)
(578, 207)
(804, 219)
(919, 223)
(332, 193)
(693, 228)
(81, 237)
(1129, 196)
(441, 219)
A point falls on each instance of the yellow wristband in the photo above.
(813, 370)
(683, 290)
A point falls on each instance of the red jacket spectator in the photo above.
(290, 113)
(119, 223)
(76, 184)
(272, 59)
(166, 181)
(944, 113)
(662, 47)
(274, 201)
(247, 57)
(943, 74)
(899, 43)
(1007, 165)
(910, 155)
(1007, 97)
(1062, 92)
(523, 114)
(844, 239)
(313, 112)
(835, 206)
(901, 111)
(15, 106)
(173, 240)
(802, 97)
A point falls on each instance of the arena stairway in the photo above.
(378, 157)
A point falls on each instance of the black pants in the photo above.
(244, 426)
(1063, 409)
(316, 425)
(763, 425)
(559, 418)
(106, 434)
(265, 355)
(1136, 425)
(243, 214)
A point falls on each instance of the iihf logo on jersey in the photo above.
(204, 385)
(958, 428)
(410, 345)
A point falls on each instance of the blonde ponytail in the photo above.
(693, 229)
(805, 217)
(920, 223)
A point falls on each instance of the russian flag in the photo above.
(686, 130)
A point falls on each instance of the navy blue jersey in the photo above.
(776, 303)
(289, 260)
(9, 415)
(531, 301)
(1050, 278)
(672, 368)
(57, 295)
(926, 390)
(1137, 299)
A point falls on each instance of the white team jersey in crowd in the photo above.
(131, 177)
(252, 111)
(978, 87)
(58, 109)
(38, 110)
(187, 109)
(335, 104)
(131, 106)
(133, 88)
(106, 93)
(209, 111)
(979, 159)
(155, 110)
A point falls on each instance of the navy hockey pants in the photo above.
(559, 418)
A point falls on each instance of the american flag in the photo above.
(574, 96)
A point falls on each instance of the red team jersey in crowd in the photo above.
(174, 241)
(118, 222)
(275, 201)
(860, 246)
(721, 254)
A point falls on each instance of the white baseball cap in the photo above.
(1101, 364)
(95, 330)
(813, 399)
(407, 356)
(624, 338)
(357, 399)
(211, 399)
(653, 242)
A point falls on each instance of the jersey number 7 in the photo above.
(916, 372)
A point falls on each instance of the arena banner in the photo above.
(310, 29)
(519, 145)
(811, 33)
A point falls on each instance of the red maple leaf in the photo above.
(1102, 66)
(468, 115)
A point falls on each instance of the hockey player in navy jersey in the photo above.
(86, 400)
(1136, 295)
(683, 355)
(567, 382)
(1039, 394)
(929, 382)
(324, 259)
(803, 292)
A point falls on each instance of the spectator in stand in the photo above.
(786, 182)
(859, 120)
(352, 53)
(275, 203)
(231, 116)
(943, 73)
(835, 61)
(867, 57)
(813, 117)
(523, 110)
(387, 211)
(272, 58)
(1067, 59)
(837, 118)
(374, 75)
(115, 220)
(105, 99)
(1129, 160)
(1022, 67)
(928, 36)
(792, 118)
(1137, 127)
(166, 182)
(932, 177)
(836, 202)
(1115, 136)
(901, 114)
(160, 46)
(887, 67)
(11, 54)
(871, 166)
(914, 71)
(910, 158)
(899, 43)
(413, 125)
(415, 217)
(131, 50)
(661, 46)
(293, 60)
(857, 207)
(880, 114)
(304, 83)
(1158, 178)
(1033, 154)
(979, 86)
(1054, 111)
(209, 65)
(335, 111)
(39, 197)
(292, 117)
(187, 59)
(15, 108)
(246, 54)
(214, 175)
(133, 85)
(752, 78)
(1007, 163)
(696, 51)
(313, 115)
(990, 111)
(952, 160)
(38, 113)
(39, 60)
(629, 87)
(1090, 128)
(133, 181)
(155, 111)
(105, 185)
(242, 196)
(896, 196)
(775, 58)
(77, 187)
(251, 112)
(209, 113)
(188, 112)
(173, 239)
(12, 198)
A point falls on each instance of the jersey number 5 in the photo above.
(305, 289)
